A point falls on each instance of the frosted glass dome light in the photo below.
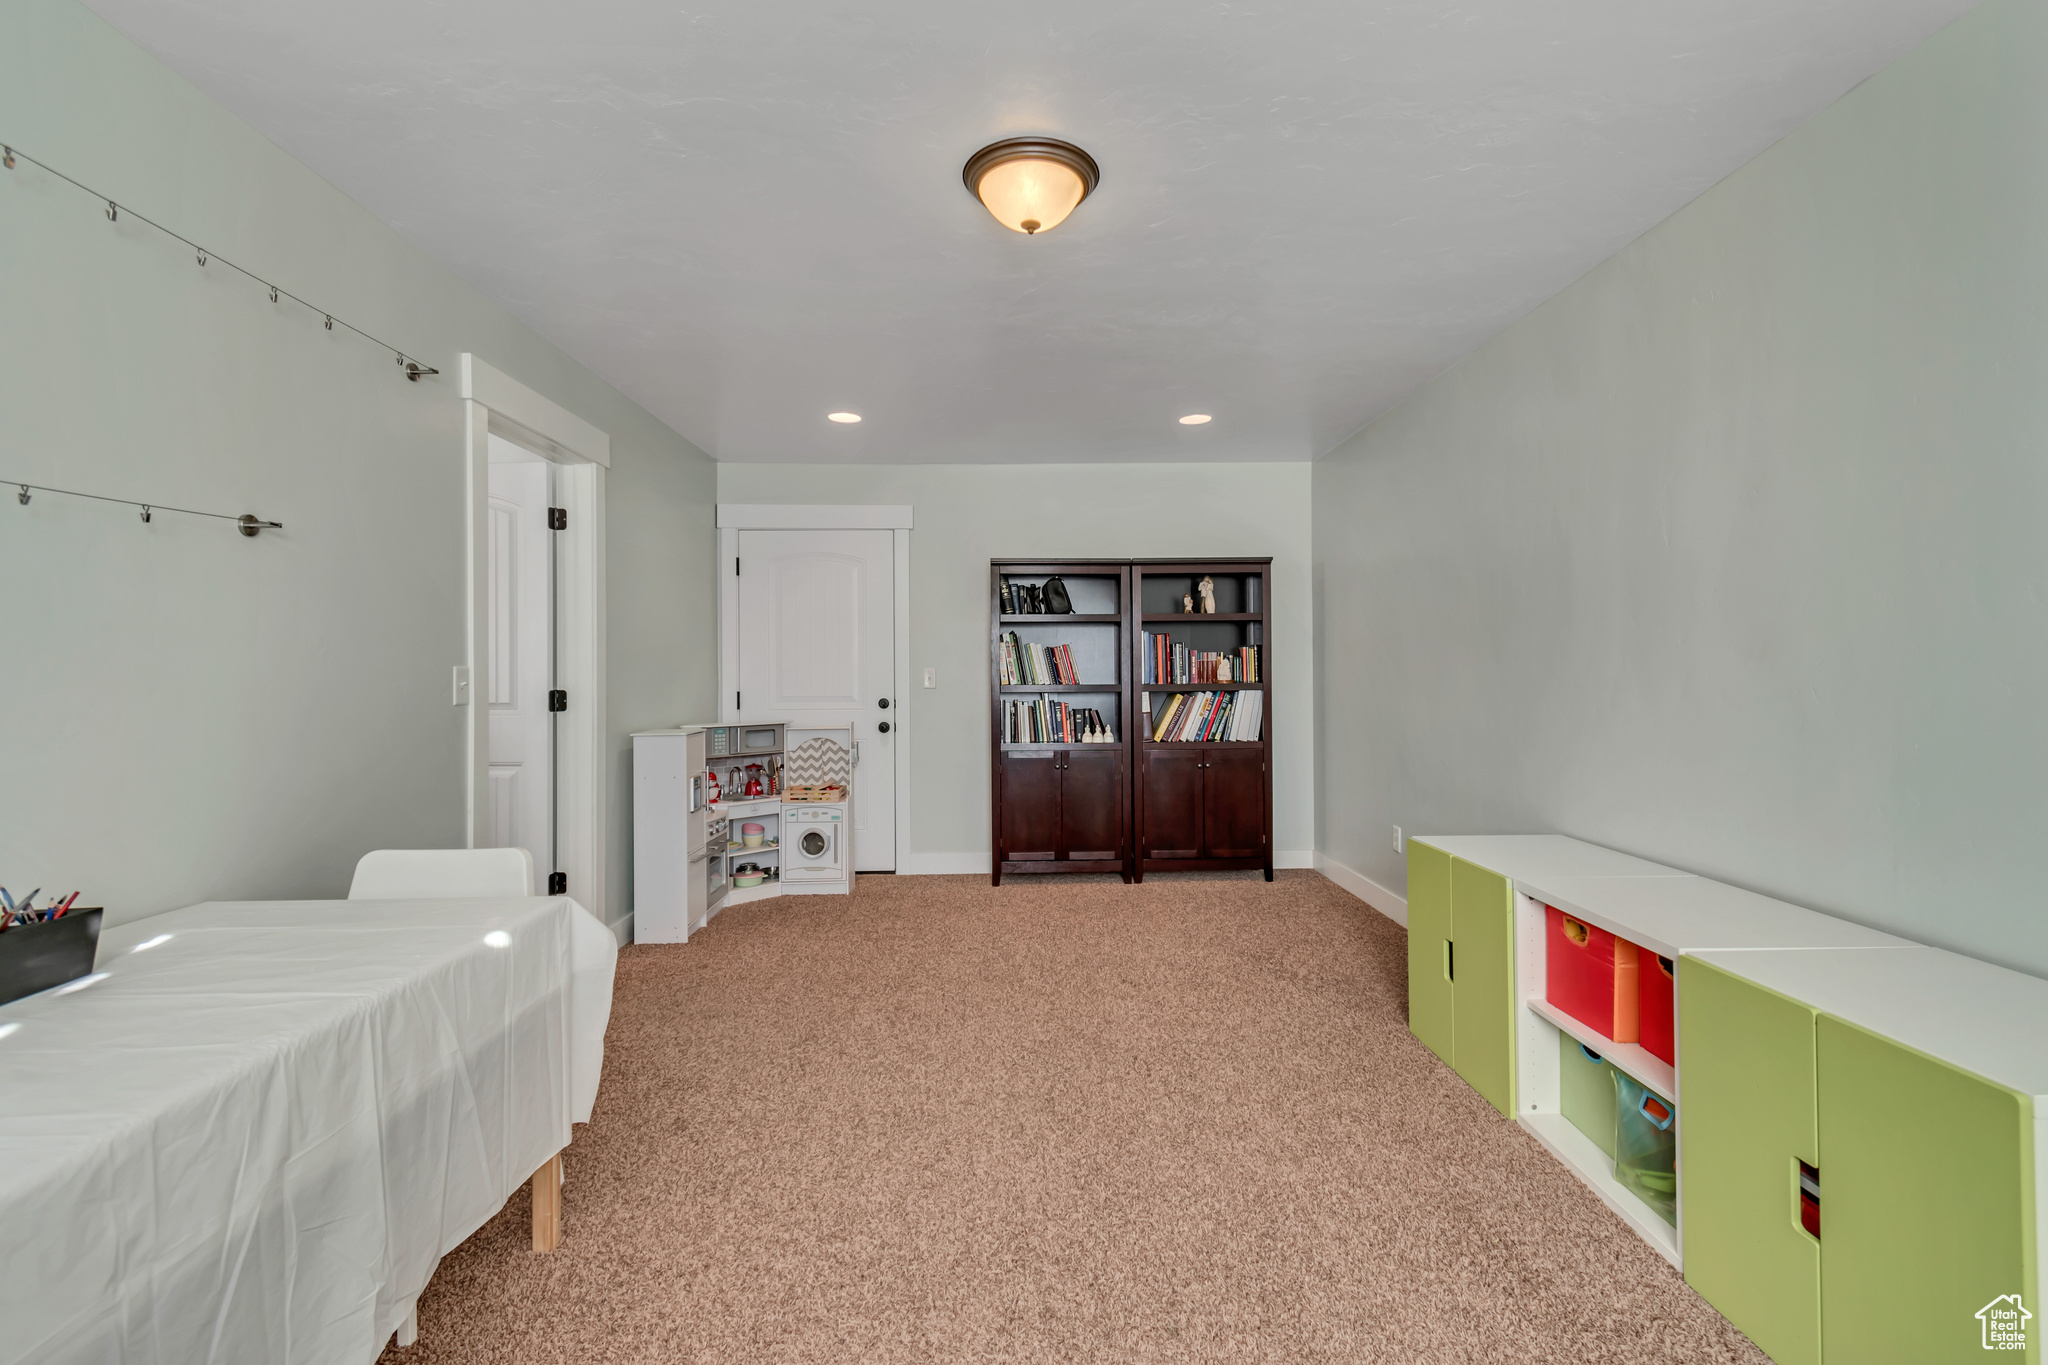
(1031, 184)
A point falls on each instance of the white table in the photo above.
(254, 1132)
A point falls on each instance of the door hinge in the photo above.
(558, 518)
(735, 566)
(558, 883)
(558, 700)
(735, 701)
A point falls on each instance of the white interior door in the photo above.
(817, 646)
(520, 654)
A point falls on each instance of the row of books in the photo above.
(1032, 665)
(1199, 717)
(1167, 662)
(1046, 721)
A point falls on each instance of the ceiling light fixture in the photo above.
(1031, 184)
(1194, 419)
(842, 417)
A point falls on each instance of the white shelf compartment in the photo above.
(1633, 1058)
(1592, 1166)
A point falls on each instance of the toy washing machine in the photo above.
(814, 845)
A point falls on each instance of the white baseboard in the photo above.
(622, 930)
(945, 865)
(1365, 888)
(1294, 857)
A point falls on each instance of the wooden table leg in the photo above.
(547, 1205)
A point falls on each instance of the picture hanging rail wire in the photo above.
(249, 522)
(413, 369)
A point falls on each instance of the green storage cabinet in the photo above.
(1430, 1011)
(1927, 1199)
(1483, 981)
(1750, 1117)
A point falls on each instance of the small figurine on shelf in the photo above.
(1207, 587)
(1187, 604)
(1223, 669)
(711, 782)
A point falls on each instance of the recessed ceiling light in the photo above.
(843, 416)
(1031, 184)
(1194, 419)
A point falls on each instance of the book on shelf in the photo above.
(1167, 662)
(1022, 664)
(1046, 721)
(1206, 717)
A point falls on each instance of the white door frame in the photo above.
(496, 404)
(735, 517)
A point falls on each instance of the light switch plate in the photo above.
(461, 684)
(1400, 844)
(931, 677)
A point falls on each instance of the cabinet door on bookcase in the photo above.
(1092, 805)
(1173, 802)
(1031, 805)
(1234, 803)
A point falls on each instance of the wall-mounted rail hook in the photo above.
(113, 212)
(273, 293)
(330, 322)
(145, 514)
(22, 496)
(201, 257)
(251, 524)
(7, 157)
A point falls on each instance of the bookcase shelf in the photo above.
(1197, 618)
(1070, 619)
(1201, 687)
(1100, 689)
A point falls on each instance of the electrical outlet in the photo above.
(931, 677)
(1400, 844)
(461, 697)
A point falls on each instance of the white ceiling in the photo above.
(746, 214)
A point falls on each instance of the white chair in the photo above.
(410, 874)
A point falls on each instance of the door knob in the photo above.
(883, 727)
(883, 703)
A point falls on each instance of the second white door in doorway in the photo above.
(520, 655)
(817, 646)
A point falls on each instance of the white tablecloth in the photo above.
(251, 1143)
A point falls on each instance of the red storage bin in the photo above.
(1654, 1014)
(1591, 975)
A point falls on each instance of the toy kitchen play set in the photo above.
(730, 813)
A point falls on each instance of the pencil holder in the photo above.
(35, 957)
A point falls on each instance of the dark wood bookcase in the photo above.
(1064, 807)
(1201, 806)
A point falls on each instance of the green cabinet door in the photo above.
(1750, 1117)
(1483, 981)
(1926, 1203)
(1429, 947)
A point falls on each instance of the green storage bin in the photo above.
(1646, 1145)
(1586, 1091)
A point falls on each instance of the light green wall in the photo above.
(967, 515)
(1732, 555)
(188, 714)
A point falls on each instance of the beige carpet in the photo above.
(1059, 1121)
